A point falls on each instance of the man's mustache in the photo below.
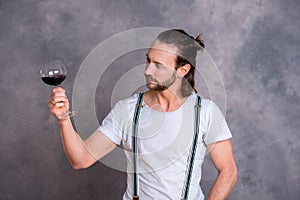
(150, 78)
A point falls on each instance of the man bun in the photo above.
(199, 40)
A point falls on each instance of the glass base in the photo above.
(67, 115)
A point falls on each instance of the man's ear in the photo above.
(183, 70)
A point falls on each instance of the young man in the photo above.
(166, 128)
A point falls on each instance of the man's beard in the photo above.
(160, 86)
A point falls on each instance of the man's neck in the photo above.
(164, 101)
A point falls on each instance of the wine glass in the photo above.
(54, 73)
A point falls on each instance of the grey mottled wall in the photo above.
(255, 44)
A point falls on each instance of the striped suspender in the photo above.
(135, 125)
(188, 174)
(191, 157)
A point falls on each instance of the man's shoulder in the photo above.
(210, 106)
(128, 102)
(205, 103)
(124, 107)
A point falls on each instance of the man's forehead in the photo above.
(168, 48)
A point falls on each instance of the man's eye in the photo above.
(158, 66)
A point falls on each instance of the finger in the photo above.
(58, 89)
(55, 100)
(59, 105)
(51, 102)
(58, 94)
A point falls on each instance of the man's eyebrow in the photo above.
(156, 62)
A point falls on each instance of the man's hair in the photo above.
(187, 47)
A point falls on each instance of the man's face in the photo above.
(160, 70)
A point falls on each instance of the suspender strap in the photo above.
(188, 175)
(192, 153)
(135, 125)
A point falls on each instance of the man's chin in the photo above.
(156, 87)
(151, 86)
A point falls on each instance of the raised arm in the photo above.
(223, 159)
(81, 154)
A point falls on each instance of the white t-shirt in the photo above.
(164, 142)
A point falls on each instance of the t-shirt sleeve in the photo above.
(216, 126)
(111, 126)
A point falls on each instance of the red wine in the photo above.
(54, 80)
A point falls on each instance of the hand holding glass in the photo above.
(54, 73)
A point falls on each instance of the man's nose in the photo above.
(149, 69)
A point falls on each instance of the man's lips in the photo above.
(151, 80)
(152, 83)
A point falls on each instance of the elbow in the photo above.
(82, 163)
(79, 165)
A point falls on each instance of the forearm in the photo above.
(223, 185)
(74, 146)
